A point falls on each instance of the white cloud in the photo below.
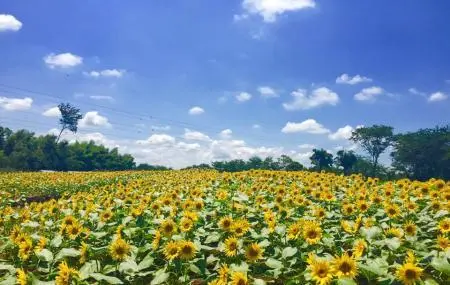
(62, 60)
(343, 133)
(256, 126)
(9, 23)
(195, 136)
(347, 79)
(196, 111)
(158, 140)
(270, 9)
(369, 94)
(15, 104)
(161, 128)
(437, 96)
(267, 92)
(303, 158)
(52, 112)
(243, 96)
(416, 92)
(188, 146)
(307, 126)
(93, 119)
(106, 73)
(318, 97)
(226, 134)
(240, 17)
(306, 146)
(102, 97)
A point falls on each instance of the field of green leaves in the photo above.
(206, 227)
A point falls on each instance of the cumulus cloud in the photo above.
(106, 73)
(243, 96)
(343, 133)
(416, 92)
(93, 119)
(238, 17)
(196, 111)
(270, 9)
(157, 140)
(267, 92)
(347, 79)
(9, 23)
(437, 96)
(62, 60)
(15, 104)
(306, 146)
(256, 126)
(195, 136)
(308, 126)
(318, 97)
(52, 112)
(369, 94)
(226, 134)
(102, 98)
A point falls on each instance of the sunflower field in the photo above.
(206, 227)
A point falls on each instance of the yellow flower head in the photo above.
(345, 266)
(187, 249)
(312, 232)
(119, 249)
(321, 271)
(239, 278)
(171, 250)
(409, 273)
(253, 252)
(21, 277)
(168, 227)
(231, 246)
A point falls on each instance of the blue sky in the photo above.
(278, 76)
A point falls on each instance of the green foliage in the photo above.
(70, 116)
(374, 140)
(321, 159)
(423, 154)
(22, 150)
(346, 159)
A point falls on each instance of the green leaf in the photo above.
(67, 252)
(259, 282)
(393, 243)
(264, 243)
(243, 267)
(89, 268)
(213, 237)
(45, 255)
(441, 264)
(146, 262)
(108, 279)
(128, 267)
(7, 267)
(346, 281)
(56, 241)
(370, 233)
(273, 263)
(288, 252)
(99, 235)
(378, 267)
(11, 280)
(430, 281)
(160, 277)
(194, 268)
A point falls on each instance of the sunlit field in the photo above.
(206, 227)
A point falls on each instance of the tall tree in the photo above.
(346, 159)
(374, 140)
(321, 159)
(423, 154)
(70, 116)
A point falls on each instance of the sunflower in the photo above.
(321, 271)
(345, 266)
(168, 227)
(348, 209)
(312, 232)
(294, 231)
(41, 244)
(363, 206)
(444, 225)
(74, 230)
(186, 224)
(68, 221)
(64, 274)
(223, 273)
(443, 242)
(392, 210)
(187, 249)
(319, 212)
(231, 246)
(106, 215)
(253, 252)
(394, 232)
(156, 239)
(409, 273)
(25, 248)
(410, 228)
(238, 278)
(83, 252)
(240, 227)
(358, 248)
(119, 249)
(225, 223)
(21, 277)
(171, 250)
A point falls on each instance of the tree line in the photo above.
(417, 155)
